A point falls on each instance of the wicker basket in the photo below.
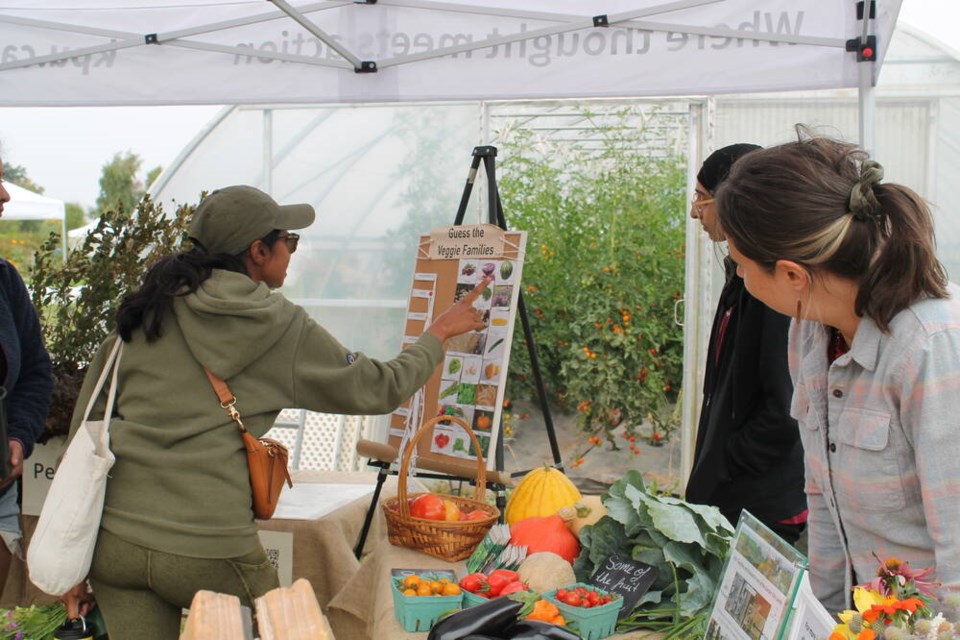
(448, 540)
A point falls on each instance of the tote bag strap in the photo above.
(111, 366)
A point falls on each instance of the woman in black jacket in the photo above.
(748, 453)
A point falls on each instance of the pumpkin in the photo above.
(542, 492)
(545, 571)
(550, 533)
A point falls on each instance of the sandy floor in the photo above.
(601, 465)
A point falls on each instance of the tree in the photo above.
(119, 185)
(76, 216)
(17, 175)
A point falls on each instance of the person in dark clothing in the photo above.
(748, 452)
(27, 381)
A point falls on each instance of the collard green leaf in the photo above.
(674, 521)
(698, 595)
(712, 517)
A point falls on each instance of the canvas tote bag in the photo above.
(60, 552)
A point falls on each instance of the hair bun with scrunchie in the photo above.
(863, 201)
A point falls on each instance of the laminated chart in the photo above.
(469, 383)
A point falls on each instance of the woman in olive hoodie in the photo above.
(177, 516)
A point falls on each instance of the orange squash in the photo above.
(550, 533)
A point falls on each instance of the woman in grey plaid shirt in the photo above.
(874, 353)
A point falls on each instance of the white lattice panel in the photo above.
(329, 440)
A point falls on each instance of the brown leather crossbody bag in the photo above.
(266, 457)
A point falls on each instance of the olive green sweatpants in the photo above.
(141, 592)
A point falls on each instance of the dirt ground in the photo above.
(530, 447)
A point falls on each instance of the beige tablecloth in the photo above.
(363, 609)
(322, 547)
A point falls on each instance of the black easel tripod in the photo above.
(382, 455)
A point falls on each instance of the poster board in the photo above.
(469, 383)
(757, 591)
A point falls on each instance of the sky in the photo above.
(64, 149)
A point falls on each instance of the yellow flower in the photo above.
(863, 600)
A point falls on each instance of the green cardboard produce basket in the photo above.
(419, 613)
(593, 623)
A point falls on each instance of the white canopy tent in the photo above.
(29, 205)
(280, 52)
(118, 52)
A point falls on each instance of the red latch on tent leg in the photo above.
(866, 51)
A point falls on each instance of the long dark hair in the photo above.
(178, 275)
(820, 203)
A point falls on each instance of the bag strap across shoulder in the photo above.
(228, 401)
(111, 366)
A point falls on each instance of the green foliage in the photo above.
(76, 216)
(119, 185)
(31, 623)
(603, 271)
(17, 244)
(17, 175)
(78, 300)
(687, 543)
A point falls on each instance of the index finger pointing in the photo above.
(477, 290)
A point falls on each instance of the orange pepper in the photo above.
(559, 621)
(543, 611)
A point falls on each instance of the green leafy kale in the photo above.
(687, 543)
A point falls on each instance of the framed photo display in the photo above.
(755, 599)
(469, 383)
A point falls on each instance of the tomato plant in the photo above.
(603, 272)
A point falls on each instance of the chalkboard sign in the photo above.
(628, 578)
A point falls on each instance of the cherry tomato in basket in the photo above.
(573, 599)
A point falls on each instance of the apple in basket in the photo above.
(476, 514)
(430, 506)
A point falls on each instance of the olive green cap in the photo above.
(228, 220)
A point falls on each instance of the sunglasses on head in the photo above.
(291, 239)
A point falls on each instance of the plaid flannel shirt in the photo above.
(881, 433)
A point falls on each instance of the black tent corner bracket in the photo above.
(866, 51)
(366, 66)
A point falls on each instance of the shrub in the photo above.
(603, 271)
(78, 300)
